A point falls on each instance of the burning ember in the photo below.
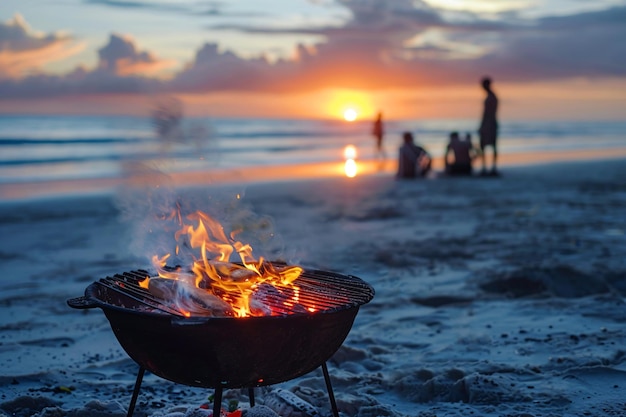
(213, 285)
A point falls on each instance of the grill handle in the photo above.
(81, 303)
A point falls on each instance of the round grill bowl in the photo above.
(229, 352)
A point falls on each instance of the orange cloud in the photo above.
(127, 67)
(23, 51)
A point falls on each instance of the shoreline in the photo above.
(274, 173)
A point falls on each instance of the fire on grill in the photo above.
(249, 294)
(214, 286)
(221, 324)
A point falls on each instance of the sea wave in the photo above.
(67, 147)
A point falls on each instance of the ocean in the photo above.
(45, 148)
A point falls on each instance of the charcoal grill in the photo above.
(229, 352)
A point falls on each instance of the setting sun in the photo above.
(349, 105)
(350, 115)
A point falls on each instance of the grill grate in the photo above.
(319, 291)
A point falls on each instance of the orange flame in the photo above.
(212, 270)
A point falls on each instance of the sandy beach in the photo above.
(494, 296)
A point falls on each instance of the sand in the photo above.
(494, 296)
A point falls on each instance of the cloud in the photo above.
(23, 51)
(582, 45)
(409, 44)
(204, 8)
(131, 4)
(121, 57)
(404, 44)
(213, 70)
(122, 69)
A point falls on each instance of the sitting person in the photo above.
(462, 153)
(413, 160)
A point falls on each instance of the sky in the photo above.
(549, 59)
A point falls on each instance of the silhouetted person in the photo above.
(488, 130)
(459, 155)
(413, 160)
(378, 131)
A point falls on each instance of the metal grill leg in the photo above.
(133, 400)
(329, 387)
(217, 402)
(251, 396)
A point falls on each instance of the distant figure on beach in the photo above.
(488, 130)
(413, 160)
(378, 131)
(459, 155)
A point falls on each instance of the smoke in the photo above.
(172, 130)
(155, 213)
(143, 204)
(154, 207)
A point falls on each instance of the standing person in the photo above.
(379, 132)
(488, 131)
(413, 160)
